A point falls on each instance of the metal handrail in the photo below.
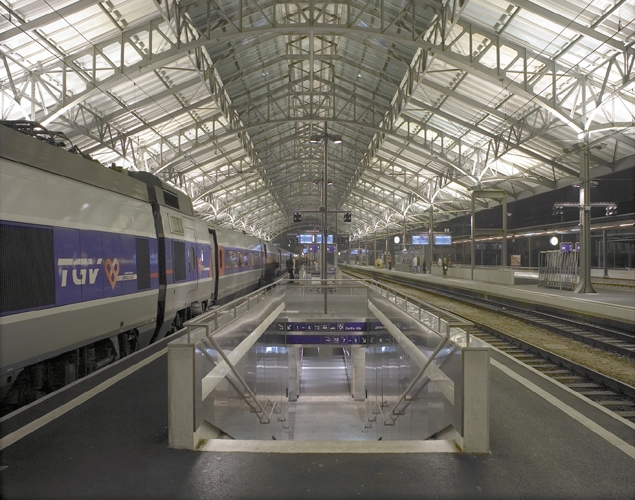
(237, 375)
(264, 290)
(392, 415)
(422, 305)
(203, 320)
(234, 385)
(373, 416)
(347, 363)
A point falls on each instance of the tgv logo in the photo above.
(79, 275)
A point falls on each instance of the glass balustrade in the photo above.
(402, 359)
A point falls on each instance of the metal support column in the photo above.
(386, 254)
(374, 247)
(335, 244)
(431, 238)
(492, 194)
(605, 265)
(472, 242)
(585, 286)
(504, 246)
(324, 212)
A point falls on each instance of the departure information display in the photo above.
(442, 239)
(420, 239)
(329, 239)
(305, 239)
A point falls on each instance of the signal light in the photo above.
(297, 217)
(347, 217)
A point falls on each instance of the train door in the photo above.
(263, 260)
(191, 254)
(216, 257)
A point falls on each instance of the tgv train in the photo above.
(96, 263)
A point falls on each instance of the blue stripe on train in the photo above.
(91, 265)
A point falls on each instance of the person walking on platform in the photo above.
(414, 265)
(390, 263)
(424, 269)
(444, 264)
(290, 266)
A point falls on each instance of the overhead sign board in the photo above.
(442, 239)
(329, 239)
(420, 239)
(305, 239)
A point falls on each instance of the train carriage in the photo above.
(79, 262)
(96, 263)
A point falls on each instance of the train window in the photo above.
(239, 260)
(192, 259)
(220, 259)
(27, 268)
(143, 264)
(178, 260)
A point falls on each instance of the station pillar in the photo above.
(294, 373)
(358, 384)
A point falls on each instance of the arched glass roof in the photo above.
(432, 99)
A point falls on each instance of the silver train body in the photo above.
(97, 263)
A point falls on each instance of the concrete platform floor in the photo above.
(115, 446)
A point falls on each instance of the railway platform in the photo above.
(606, 305)
(106, 436)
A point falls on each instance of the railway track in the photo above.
(603, 390)
(608, 392)
(609, 339)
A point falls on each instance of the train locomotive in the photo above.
(97, 263)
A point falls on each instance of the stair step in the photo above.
(597, 393)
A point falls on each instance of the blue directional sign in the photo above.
(325, 333)
(338, 340)
(320, 326)
(376, 325)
